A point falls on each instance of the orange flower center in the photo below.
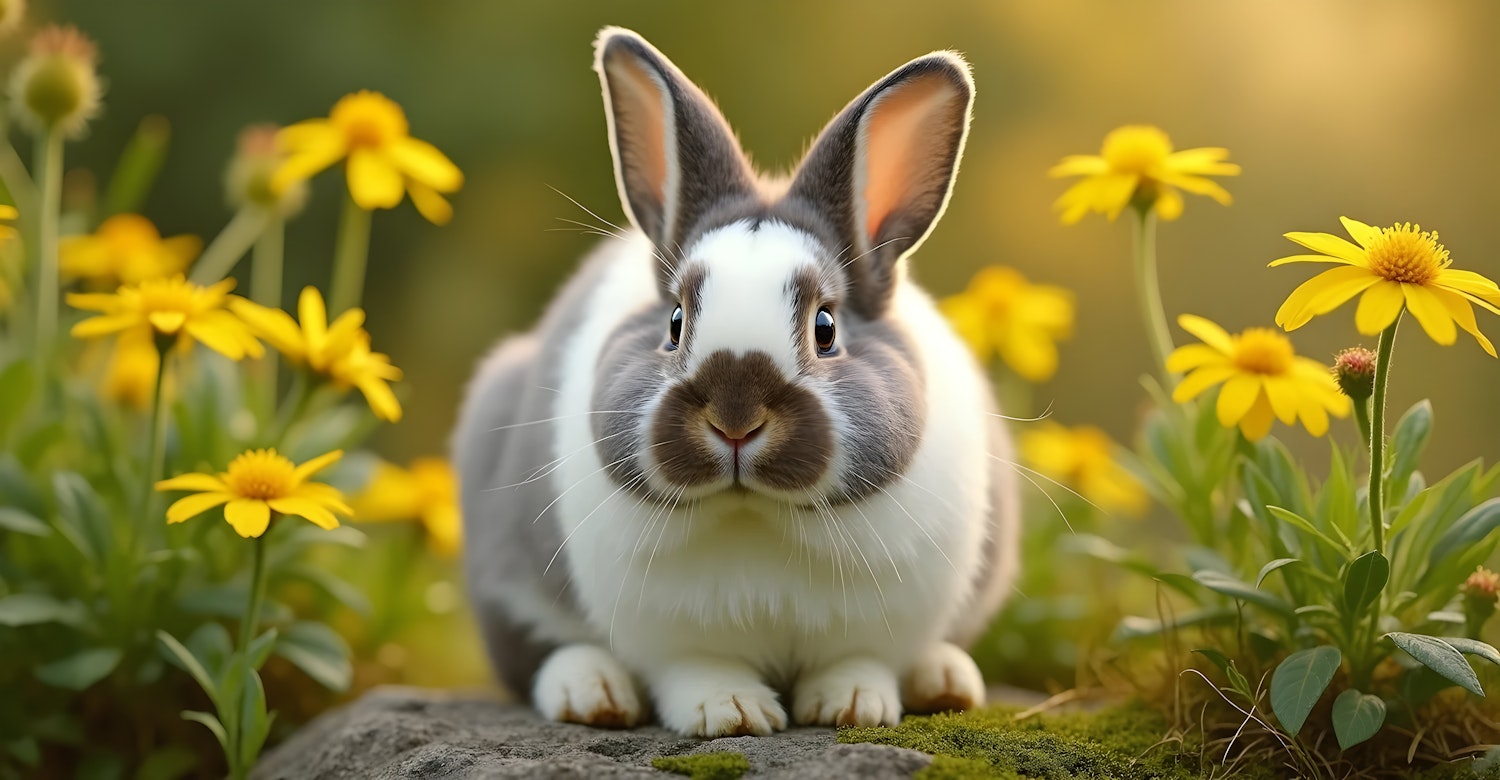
(369, 120)
(261, 474)
(1138, 149)
(1403, 253)
(1263, 351)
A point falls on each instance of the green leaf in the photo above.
(341, 590)
(1474, 647)
(25, 750)
(1356, 717)
(84, 520)
(17, 489)
(212, 723)
(211, 645)
(1473, 526)
(1366, 578)
(28, 609)
(1238, 589)
(1265, 571)
(1439, 656)
(81, 670)
(184, 658)
(255, 724)
(260, 648)
(137, 166)
(1304, 525)
(167, 763)
(1298, 683)
(1406, 446)
(320, 652)
(12, 519)
(1137, 627)
(16, 384)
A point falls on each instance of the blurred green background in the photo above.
(1382, 111)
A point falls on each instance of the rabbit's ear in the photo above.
(675, 157)
(883, 168)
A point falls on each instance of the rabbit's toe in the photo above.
(943, 678)
(852, 692)
(585, 684)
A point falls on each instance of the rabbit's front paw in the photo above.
(585, 684)
(943, 678)
(852, 692)
(714, 698)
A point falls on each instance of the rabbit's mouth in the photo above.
(739, 425)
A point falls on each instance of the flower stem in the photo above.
(1377, 433)
(265, 287)
(49, 163)
(351, 253)
(1362, 419)
(242, 650)
(233, 241)
(1149, 290)
(154, 445)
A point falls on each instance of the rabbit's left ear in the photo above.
(883, 168)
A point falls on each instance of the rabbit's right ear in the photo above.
(675, 156)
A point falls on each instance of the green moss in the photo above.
(705, 766)
(1124, 743)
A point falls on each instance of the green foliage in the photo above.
(1123, 742)
(705, 766)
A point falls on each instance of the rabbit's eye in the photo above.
(674, 328)
(823, 331)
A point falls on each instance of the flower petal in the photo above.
(188, 507)
(312, 146)
(1314, 417)
(1323, 293)
(1378, 308)
(1207, 331)
(224, 334)
(314, 317)
(1079, 165)
(1282, 393)
(192, 482)
(1237, 397)
(1200, 380)
(1330, 245)
(1168, 203)
(1458, 307)
(423, 162)
(1310, 259)
(95, 327)
(306, 508)
(1191, 356)
(166, 321)
(1202, 161)
(373, 182)
(434, 207)
(1200, 186)
(1463, 281)
(1431, 313)
(380, 398)
(248, 516)
(273, 325)
(1257, 420)
(1362, 233)
(315, 465)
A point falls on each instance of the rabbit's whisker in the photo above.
(636, 412)
(1080, 496)
(920, 526)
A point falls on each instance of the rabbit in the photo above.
(743, 473)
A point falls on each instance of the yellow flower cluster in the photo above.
(1002, 313)
(126, 249)
(1084, 458)
(426, 492)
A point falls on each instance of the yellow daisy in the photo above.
(169, 307)
(1394, 268)
(257, 483)
(1001, 312)
(385, 163)
(1083, 457)
(1137, 164)
(126, 249)
(130, 376)
(428, 492)
(340, 351)
(1263, 378)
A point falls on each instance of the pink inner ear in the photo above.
(639, 107)
(904, 135)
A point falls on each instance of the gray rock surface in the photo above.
(426, 735)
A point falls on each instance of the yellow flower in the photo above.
(258, 483)
(1083, 457)
(169, 307)
(1137, 164)
(427, 492)
(340, 351)
(247, 181)
(130, 377)
(7, 214)
(126, 249)
(1264, 379)
(1002, 312)
(1396, 267)
(385, 162)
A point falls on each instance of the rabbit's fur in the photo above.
(743, 520)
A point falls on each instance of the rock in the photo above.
(403, 733)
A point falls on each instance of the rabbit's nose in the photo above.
(737, 435)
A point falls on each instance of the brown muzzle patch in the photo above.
(794, 437)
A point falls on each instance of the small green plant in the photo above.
(705, 766)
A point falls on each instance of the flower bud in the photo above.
(247, 181)
(1354, 370)
(56, 87)
(1479, 598)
